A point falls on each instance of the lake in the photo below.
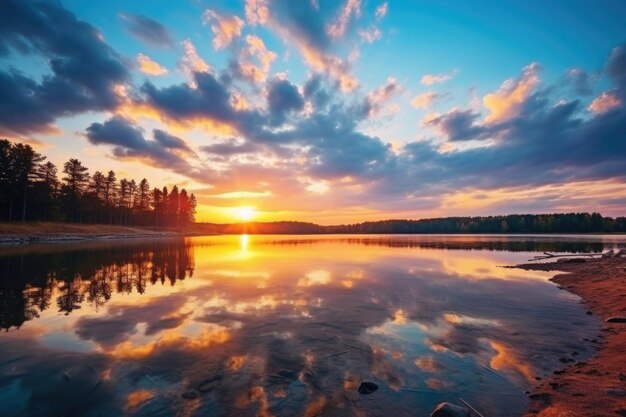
(284, 325)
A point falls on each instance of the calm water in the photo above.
(283, 326)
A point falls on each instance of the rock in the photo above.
(621, 412)
(616, 392)
(541, 396)
(608, 254)
(190, 394)
(571, 261)
(288, 373)
(622, 376)
(209, 384)
(450, 410)
(616, 319)
(367, 387)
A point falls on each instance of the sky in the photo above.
(329, 111)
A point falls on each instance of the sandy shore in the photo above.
(28, 233)
(596, 387)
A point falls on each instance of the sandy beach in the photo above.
(595, 387)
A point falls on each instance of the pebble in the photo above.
(367, 387)
(190, 394)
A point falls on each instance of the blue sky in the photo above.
(330, 111)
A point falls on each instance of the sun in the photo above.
(245, 213)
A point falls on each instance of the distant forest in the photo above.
(515, 223)
(30, 190)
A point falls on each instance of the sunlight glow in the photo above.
(245, 213)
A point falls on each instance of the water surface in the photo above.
(283, 326)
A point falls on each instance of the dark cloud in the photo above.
(283, 98)
(84, 69)
(304, 21)
(146, 29)
(129, 142)
(230, 148)
(580, 80)
(330, 135)
(616, 67)
(170, 141)
(210, 99)
(459, 125)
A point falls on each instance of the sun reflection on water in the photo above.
(273, 324)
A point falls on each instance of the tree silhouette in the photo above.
(30, 190)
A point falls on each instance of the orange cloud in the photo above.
(604, 102)
(256, 48)
(430, 79)
(150, 67)
(257, 12)
(382, 94)
(338, 28)
(191, 62)
(225, 28)
(424, 100)
(506, 102)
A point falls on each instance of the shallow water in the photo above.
(283, 326)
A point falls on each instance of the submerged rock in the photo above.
(450, 410)
(190, 394)
(367, 387)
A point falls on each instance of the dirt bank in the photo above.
(21, 233)
(596, 387)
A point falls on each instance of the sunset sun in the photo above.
(245, 213)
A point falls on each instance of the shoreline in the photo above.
(43, 233)
(595, 387)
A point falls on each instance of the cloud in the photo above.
(507, 101)
(381, 11)
(85, 72)
(458, 125)
(246, 68)
(430, 79)
(191, 62)
(283, 98)
(150, 67)
(225, 28)
(370, 35)
(337, 28)
(425, 100)
(616, 67)
(605, 102)
(165, 151)
(580, 80)
(312, 31)
(379, 96)
(146, 29)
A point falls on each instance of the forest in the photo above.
(31, 190)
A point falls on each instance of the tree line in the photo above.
(514, 223)
(31, 190)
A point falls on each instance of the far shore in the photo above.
(16, 233)
(595, 387)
